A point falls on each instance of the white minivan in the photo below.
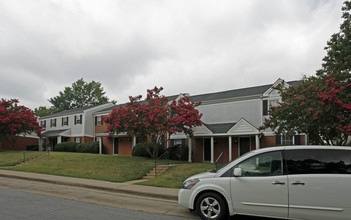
(291, 182)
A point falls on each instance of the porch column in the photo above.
(230, 148)
(212, 150)
(190, 149)
(59, 139)
(134, 141)
(257, 141)
(100, 145)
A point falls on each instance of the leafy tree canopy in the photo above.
(42, 111)
(154, 117)
(81, 94)
(321, 105)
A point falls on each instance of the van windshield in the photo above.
(220, 166)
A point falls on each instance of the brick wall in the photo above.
(21, 143)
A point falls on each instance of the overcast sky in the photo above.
(186, 46)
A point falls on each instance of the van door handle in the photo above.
(278, 183)
(298, 183)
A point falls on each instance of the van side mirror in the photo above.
(237, 172)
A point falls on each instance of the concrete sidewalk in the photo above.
(150, 191)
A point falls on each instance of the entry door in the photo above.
(244, 145)
(207, 149)
(54, 143)
(115, 145)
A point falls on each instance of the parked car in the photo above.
(291, 182)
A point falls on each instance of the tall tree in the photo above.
(79, 95)
(154, 117)
(16, 120)
(321, 105)
(338, 58)
(42, 111)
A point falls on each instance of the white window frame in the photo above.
(99, 120)
(53, 122)
(287, 140)
(65, 121)
(78, 140)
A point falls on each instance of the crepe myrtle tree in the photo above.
(319, 107)
(154, 116)
(16, 120)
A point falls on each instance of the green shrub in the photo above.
(66, 147)
(179, 152)
(140, 151)
(90, 147)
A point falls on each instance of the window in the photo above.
(65, 121)
(53, 122)
(78, 139)
(98, 120)
(267, 164)
(268, 104)
(78, 119)
(43, 124)
(177, 142)
(309, 161)
(287, 140)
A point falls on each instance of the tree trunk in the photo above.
(12, 140)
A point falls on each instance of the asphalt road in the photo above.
(67, 194)
(23, 205)
(25, 199)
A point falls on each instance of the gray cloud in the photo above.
(184, 46)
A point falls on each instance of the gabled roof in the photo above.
(54, 133)
(235, 93)
(219, 128)
(71, 111)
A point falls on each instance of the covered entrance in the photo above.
(231, 139)
(54, 137)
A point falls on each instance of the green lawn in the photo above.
(12, 158)
(176, 175)
(101, 167)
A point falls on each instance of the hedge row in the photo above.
(139, 150)
(177, 152)
(90, 147)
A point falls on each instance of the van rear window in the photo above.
(313, 161)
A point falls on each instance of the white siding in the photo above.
(233, 112)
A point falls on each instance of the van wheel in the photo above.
(211, 206)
